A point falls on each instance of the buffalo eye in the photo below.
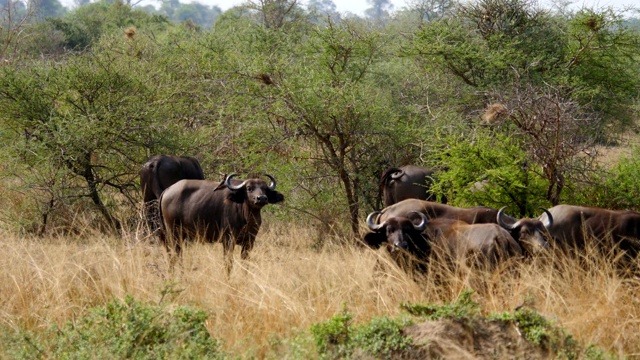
(249, 188)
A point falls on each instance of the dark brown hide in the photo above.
(160, 172)
(480, 245)
(406, 182)
(451, 241)
(616, 230)
(529, 233)
(213, 212)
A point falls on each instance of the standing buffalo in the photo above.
(573, 226)
(160, 172)
(529, 233)
(228, 212)
(411, 245)
(406, 182)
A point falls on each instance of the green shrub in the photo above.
(491, 169)
(336, 338)
(464, 307)
(619, 189)
(333, 337)
(126, 329)
(540, 331)
(382, 336)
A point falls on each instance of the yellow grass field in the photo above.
(287, 286)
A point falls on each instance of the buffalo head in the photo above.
(398, 233)
(256, 192)
(531, 234)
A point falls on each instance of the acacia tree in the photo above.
(326, 98)
(562, 77)
(491, 44)
(89, 123)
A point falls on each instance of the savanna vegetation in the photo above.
(520, 99)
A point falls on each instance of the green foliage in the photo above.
(616, 188)
(337, 338)
(538, 330)
(463, 308)
(333, 338)
(490, 169)
(95, 118)
(125, 329)
(381, 337)
(83, 27)
(499, 45)
(602, 62)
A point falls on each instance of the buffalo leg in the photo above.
(228, 244)
(247, 245)
(171, 242)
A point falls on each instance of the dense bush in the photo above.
(614, 188)
(337, 338)
(325, 107)
(490, 169)
(122, 329)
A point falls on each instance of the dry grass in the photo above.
(287, 286)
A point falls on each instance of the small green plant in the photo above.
(336, 338)
(540, 331)
(534, 326)
(333, 337)
(124, 329)
(464, 307)
(382, 336)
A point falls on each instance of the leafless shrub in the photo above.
(13, 22)
(557, 132)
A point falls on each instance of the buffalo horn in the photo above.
(227, 182)
(423, 223)
(549, 216)
(500, 221)
(272, 185)
(398, 174)
(370, 223)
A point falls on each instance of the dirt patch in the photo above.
(626, 142)
(470, 339)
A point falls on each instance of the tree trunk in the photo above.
(95, 196)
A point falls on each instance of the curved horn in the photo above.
(272, 185)
(370, 223)
(500, 221)
(550, 224)
(227, 182)
(398, 174)
(423, 224)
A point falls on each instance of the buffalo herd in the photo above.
(412, 227)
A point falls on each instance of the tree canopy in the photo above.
(499, 92)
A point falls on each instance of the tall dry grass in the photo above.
(287, 286)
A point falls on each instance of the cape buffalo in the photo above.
(228, 212)
(404, 240)
(482, 244)
(160, 172)
(573, 226)
(406, 182)
(412, 245)
(529, 233)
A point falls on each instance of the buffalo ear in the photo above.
(274, 196)
(237, 196)
(375, 239)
